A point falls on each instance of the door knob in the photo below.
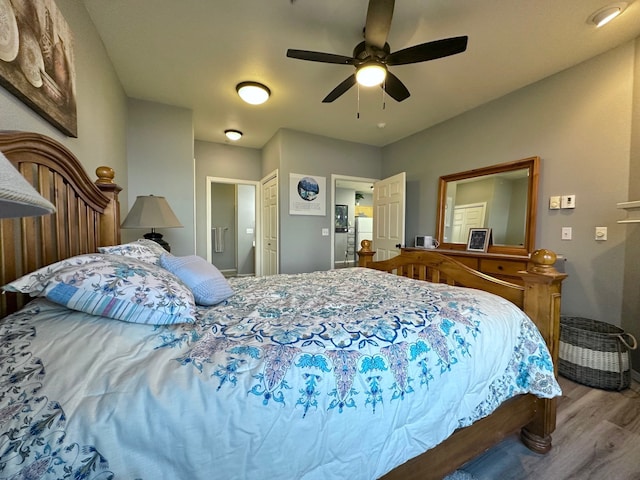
(398, 245)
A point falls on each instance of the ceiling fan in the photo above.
(373, 55)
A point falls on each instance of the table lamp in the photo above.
(150, 211)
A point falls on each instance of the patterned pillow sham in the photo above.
(207, 284)
(112, 286)
(142, 249)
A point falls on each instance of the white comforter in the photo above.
(330, 375)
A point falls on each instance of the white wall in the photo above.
(160, 153)
(101, 103)
(579, 123)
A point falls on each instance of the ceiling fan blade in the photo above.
(395, 88)
(428, 51)
(319, 57)
(378, 24)
(340, 89)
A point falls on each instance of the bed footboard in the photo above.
(539, 297)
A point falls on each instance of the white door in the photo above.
(466, 217)
(270, 224)
(388, 216)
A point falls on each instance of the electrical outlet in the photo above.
(567, 233)
(568, 201)
(601, 233)
(554, 202)
(325, 232)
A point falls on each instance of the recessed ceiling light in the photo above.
(608, 13)
(253, 92)
(233, 135)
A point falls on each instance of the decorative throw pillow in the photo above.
(142, 249)
(112, 286)
(205, 281)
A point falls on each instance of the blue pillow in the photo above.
(205, 281)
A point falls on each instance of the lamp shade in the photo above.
(17, 197)
(151, 211)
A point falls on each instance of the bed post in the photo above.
(110, 219)
(542, 283)
(365, 254)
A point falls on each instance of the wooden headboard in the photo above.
(87, 213)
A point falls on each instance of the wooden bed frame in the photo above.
(534, 417)
(88, 216)
(87, 213)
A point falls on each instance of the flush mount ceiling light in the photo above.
(233, 135)
(253, 92)
(606, 14)
(371, 74)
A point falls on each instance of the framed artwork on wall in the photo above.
(37, 61)
(307, 195)
(479, 239)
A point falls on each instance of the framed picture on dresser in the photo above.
(479, 239)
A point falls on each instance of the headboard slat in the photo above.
(85, 217)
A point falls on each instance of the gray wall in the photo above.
(160, 152)
(223, 161)
(101, 103)
(302, 247)
(223, 215)
(246, 237)
(579, 123)
(631, 292)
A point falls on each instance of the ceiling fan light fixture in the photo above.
(606, 14)
(233, 135)
(253, 93)
(371, 74)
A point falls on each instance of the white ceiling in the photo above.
(192, 53)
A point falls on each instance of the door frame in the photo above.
(258, 230)
(332, 238)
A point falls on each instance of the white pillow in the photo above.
(112, 286)
(207, 284)
(143, 249)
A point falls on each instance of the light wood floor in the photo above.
(597, 438)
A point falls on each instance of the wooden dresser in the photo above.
(505, 267)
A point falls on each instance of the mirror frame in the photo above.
(533, 165)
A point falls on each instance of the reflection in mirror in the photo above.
(501, 197)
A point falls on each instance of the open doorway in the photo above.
(232, 225)
(352, 208)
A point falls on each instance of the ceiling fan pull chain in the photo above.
(358, 113)
(384, 97)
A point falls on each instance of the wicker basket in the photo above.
(595, 353)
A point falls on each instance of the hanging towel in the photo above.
(218, 243)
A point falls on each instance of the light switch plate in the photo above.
(554, 202)
(568, 201)
(601, 233)
(567, 233)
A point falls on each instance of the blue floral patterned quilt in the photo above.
(329, 375)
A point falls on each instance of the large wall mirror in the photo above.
(501, 197)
